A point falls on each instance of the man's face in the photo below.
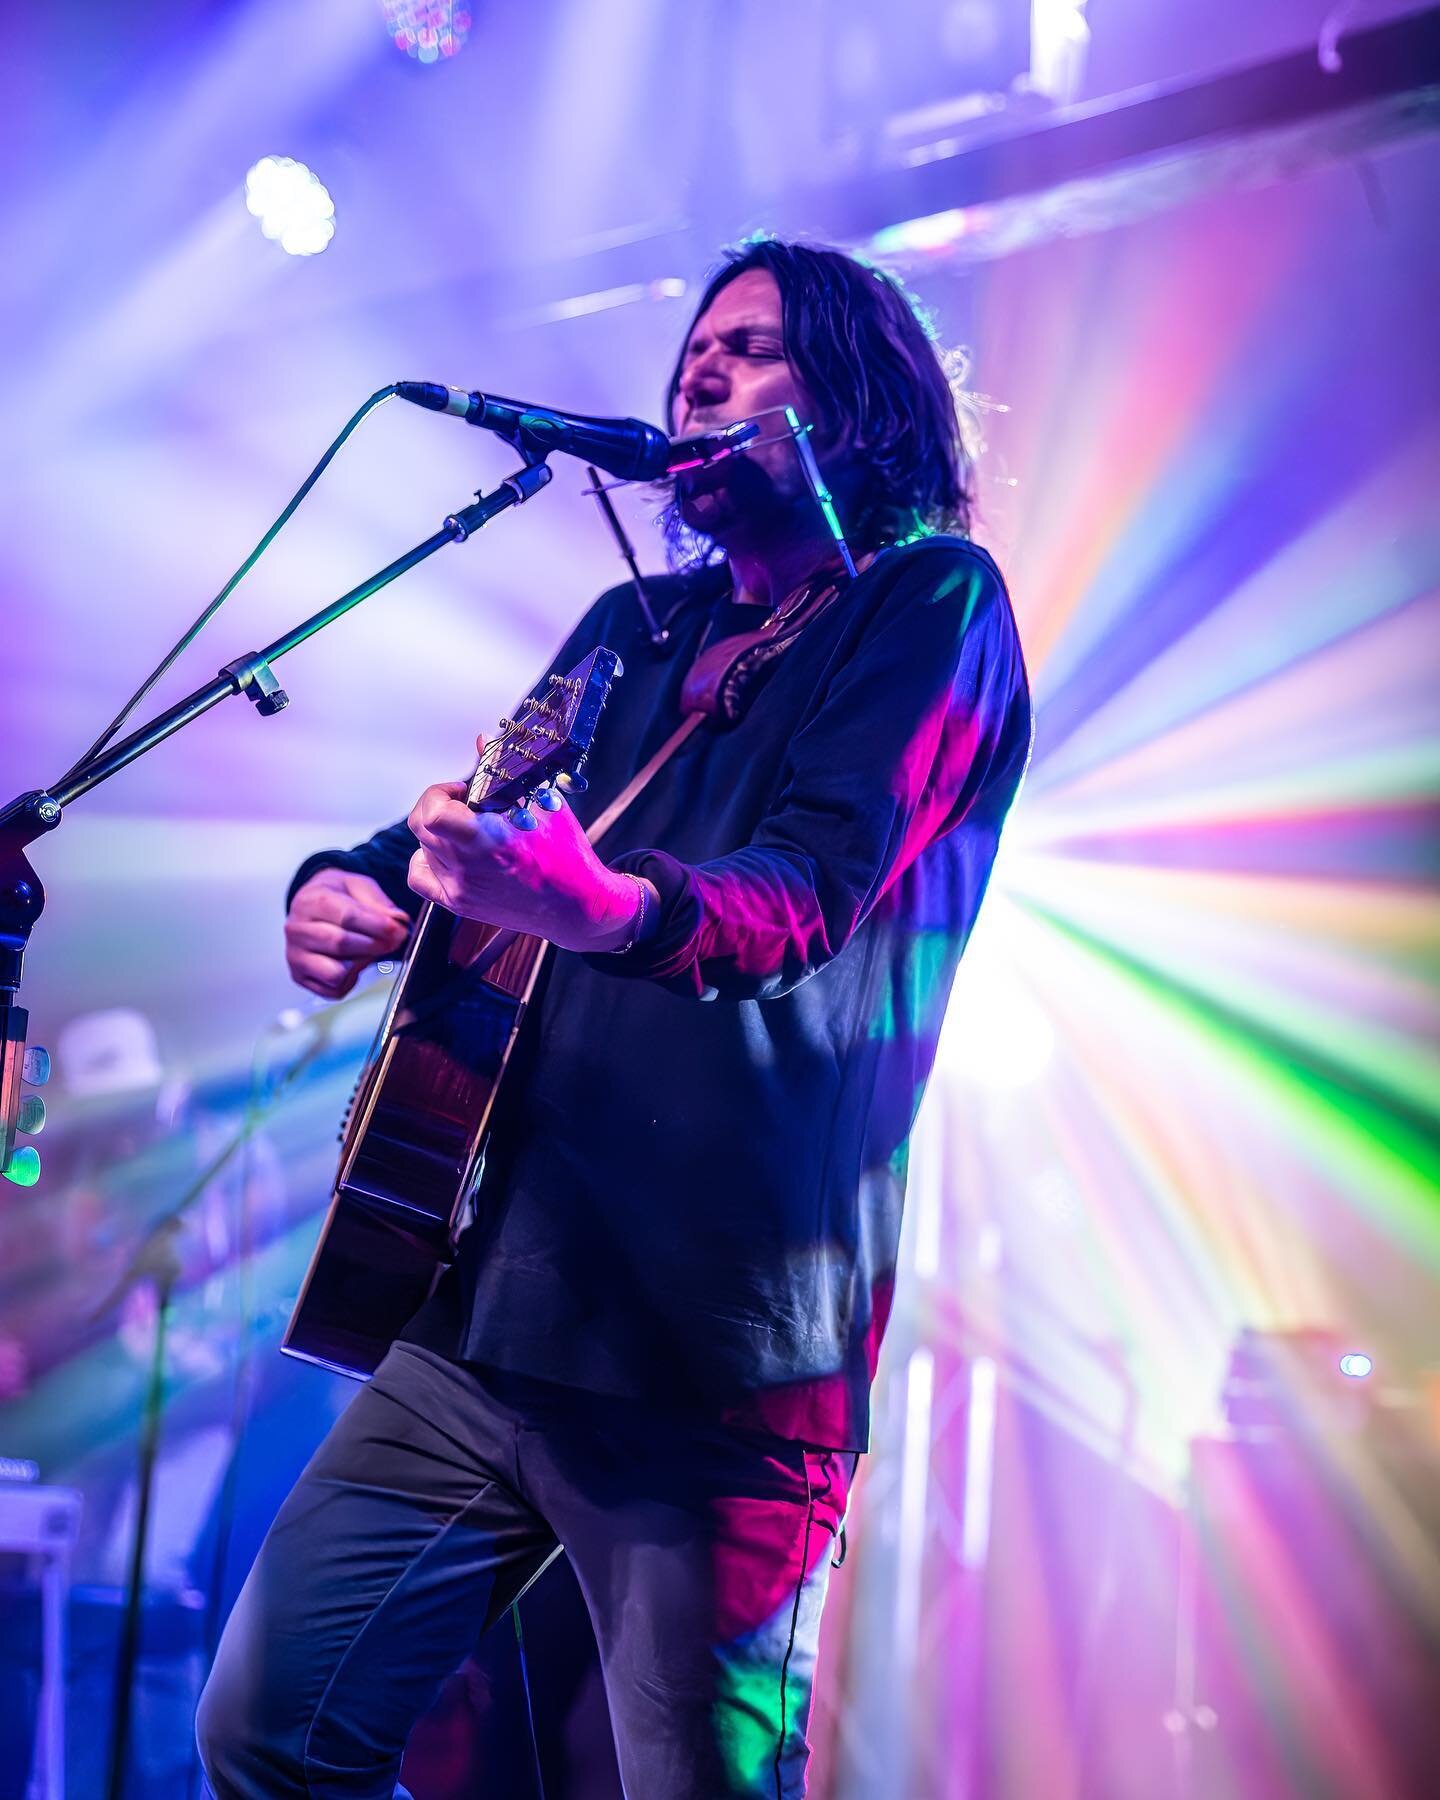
(734, 366)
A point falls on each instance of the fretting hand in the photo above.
(547, 882)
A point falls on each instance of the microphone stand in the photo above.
(157, 1261)
(22, 899)
(30, 816)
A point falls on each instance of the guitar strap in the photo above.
(725, 676)
(642, 779)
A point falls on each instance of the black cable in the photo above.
(194, 631)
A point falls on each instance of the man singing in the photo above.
(656, 1345)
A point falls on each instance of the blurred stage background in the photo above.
(1127, 1529)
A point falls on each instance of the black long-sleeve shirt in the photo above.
(696, 1171)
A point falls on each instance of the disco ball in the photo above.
(427, 29)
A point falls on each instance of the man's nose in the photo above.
(703, 383)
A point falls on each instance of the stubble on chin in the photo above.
(737, 499)
(708, 513)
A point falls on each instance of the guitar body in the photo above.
(413, 1141)
(413, 1151)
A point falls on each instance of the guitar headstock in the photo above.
(549, 736)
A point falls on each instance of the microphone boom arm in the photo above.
(30, 816)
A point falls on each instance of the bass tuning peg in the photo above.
(23, 1167)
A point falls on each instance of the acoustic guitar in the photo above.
(413, 1140)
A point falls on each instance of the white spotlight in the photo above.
(1356, 1365)
(1059, 43)
(292, 204)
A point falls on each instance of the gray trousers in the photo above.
(702, 1554)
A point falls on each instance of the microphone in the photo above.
(627, 448)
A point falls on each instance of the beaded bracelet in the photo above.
(637, 924)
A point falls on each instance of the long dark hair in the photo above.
(867, 356)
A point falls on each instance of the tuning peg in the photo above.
(547, 798)
(23, 1167)
(521, 817)
(30, 1115)
(36, 1067)
(571, 784)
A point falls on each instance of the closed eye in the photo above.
(739, 342)
(744, 343)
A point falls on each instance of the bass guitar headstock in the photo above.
(20, 1113)
(22, 899)
(547, 741)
